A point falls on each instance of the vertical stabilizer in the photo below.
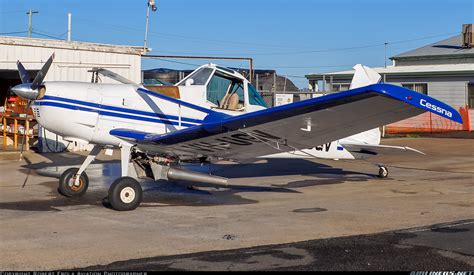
(365, 76)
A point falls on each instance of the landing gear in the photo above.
(125, 194)
(72, 186)
(383, 172)
(74, 182)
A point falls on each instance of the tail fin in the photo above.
(365, 76)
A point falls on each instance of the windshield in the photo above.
(200, 76)
(255, 98)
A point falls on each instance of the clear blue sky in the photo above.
(295, 37)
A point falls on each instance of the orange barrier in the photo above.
(430, 123)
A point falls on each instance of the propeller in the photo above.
(31, 91)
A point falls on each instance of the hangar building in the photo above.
(72, 62)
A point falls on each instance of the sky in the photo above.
(294, 37)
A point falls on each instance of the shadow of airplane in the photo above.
(164, 194)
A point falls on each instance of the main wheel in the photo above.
(383, 172)
(66, 183)
(125, 194)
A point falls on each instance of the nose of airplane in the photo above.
(25, 91)
(32, 90)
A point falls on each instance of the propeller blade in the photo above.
(24, 76)
(24, 131)
(42, 73)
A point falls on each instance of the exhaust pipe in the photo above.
(185, 175)
(161, 172)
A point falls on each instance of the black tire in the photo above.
(383, 172)
(66, 183)
(125, 194)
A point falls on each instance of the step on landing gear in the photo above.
(125, 194)
(383, 172)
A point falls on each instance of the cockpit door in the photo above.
(226, 93)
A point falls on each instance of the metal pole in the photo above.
(69, 27)
(324, 83)
(30, 21)
(385, 59)
(251, 70)
(274, 82)
(146, 27)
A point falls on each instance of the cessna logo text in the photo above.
(435, 108)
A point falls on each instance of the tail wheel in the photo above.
(67, 186)
(383, 172)
(125, 194)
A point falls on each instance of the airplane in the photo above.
(212, 114)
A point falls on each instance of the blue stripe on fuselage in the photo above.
(119, 109)
(111, 114)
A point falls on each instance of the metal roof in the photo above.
(405, 70)
(72, 45)
(448, 47)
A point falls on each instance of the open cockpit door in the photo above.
(221, 89)
(226, 92)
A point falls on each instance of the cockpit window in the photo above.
(255, 98)
(217, 89)
(226, 92)
(200, 77)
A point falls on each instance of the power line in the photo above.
(213, 41)
(8, 33)
(51, 34)
(330, 50)
(422, 38)
(177, 62)
(46, 35)
(192, 38)
(8, 12)
(304, 67)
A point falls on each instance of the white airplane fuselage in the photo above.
(87, 112)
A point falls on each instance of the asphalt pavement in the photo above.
(440, 247)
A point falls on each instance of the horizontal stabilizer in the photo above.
(380, 149)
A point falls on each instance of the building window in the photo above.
(470, 95)
(340, 87)
(417, 87)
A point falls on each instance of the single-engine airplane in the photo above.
(214, 113)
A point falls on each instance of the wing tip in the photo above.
(418, 99)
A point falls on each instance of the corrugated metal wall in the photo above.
(71, 64)
(450, 92)
(453, 93)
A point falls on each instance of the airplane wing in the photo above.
(290, 127)
(369, 149)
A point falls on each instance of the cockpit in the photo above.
(225, 89)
